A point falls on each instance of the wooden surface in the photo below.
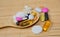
(9, 7)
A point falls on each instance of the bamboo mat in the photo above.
(9, 7)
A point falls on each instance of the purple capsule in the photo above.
(45, 10)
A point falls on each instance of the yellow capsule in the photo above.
(25, 22)
(42, 17)
(34, 13)
(46, 25)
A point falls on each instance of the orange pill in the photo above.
(46, 25)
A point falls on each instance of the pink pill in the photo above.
(45, 10)
(19, 18)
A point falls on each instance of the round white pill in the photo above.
(31, 17)
(21, 14)
(36, 29)
(27, 7)
(38, 9)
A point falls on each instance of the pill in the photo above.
(46, 25)
(42, 17)
(19, 18)
(44, 10)
(17, 23)
(46, 17)
(27, 9)
(25, 22)
(21, 14)
(25, 18)
(28, 14)
(31, 17)
(38, 9)
(34, 13)
(36, 29)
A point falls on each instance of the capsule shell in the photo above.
(45, 10)
(19, 18)
(42, 17)
(46, 17)
(46, 25)
(17, 23)
(34, 13)
(25, 23)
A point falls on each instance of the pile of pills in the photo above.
(21, 17)
(44, 18)
(28, 15)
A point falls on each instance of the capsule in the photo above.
(46, 25)
(42, 17)
(46, 17)
(25, 22)
(34, 13)
(45, 10)
(19, 18)
(17, 23)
